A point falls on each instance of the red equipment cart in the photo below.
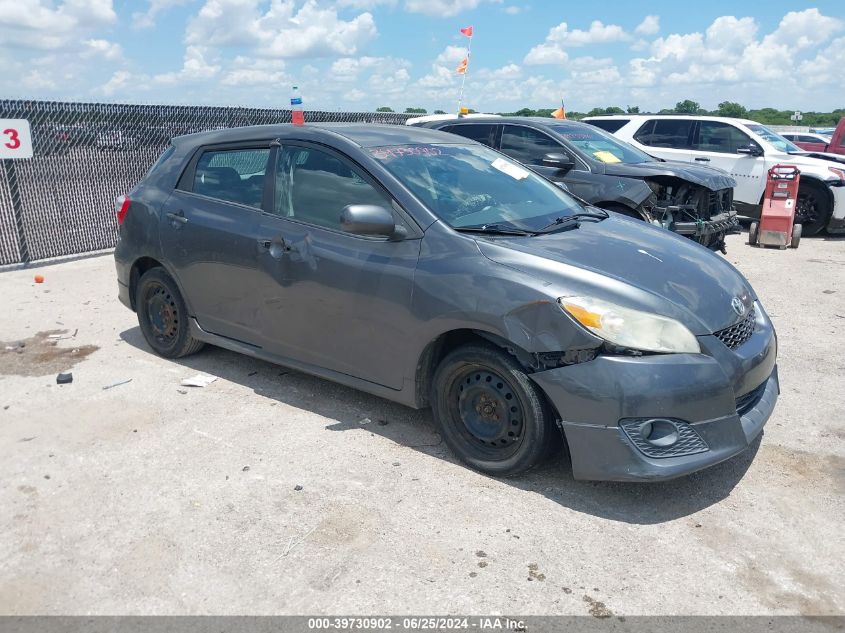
(777, 217)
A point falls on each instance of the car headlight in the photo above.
(630, 328)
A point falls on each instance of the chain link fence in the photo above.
(61, 201)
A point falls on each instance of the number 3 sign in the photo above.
(15, 139)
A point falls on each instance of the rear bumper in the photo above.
(722, 406)
(123, 272)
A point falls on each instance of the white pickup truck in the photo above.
(746, 150)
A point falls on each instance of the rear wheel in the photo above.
(796, 236)
(162, 315)
(491, 415)
(752, 233)
(812, 209)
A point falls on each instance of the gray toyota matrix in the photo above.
(431, 270)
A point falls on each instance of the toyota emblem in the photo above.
(738, 306)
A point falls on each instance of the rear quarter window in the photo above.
(609, 125)
(475, 131)
(161, 160)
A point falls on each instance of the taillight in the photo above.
(121, 206)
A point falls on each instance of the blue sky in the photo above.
(361, 54)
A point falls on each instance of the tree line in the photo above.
(767, 116)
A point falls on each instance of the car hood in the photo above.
(836, 158)
(710, 177)
(634, 264)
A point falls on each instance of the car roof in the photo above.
(537, 120)
(696, 117)
(362, 134)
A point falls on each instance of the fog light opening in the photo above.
(660, 432)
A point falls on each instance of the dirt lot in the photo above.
(150, 497)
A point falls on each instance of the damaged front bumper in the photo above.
(658, 417)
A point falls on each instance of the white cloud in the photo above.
(37, 24)
(451, 55)
(247, 71)
(560, 37)
(513, 10)
(598, 33)
(102, 50)
(118, 80)
(649, 26)
(441, 8)
(195, 68)
(146, 19)
(281, 31)
(546, 54)
(366, 4)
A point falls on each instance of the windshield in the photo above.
(474, 186)
(774, 139)
(600, 145)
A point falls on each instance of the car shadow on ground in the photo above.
(353, 410)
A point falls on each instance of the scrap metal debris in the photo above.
(117, 384)
(200, 380)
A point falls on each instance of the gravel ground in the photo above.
(270, 491)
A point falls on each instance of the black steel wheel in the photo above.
(490, 413)
(162, 315)
(812, 210)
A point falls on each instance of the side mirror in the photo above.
(367, 219)
(750, 150)
(561, 161)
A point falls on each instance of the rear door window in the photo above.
(527, 145)
(671, 133)
(482, 133)
(715, 136)
(235, 175)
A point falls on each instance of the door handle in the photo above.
(179, 217)
(702, 159)
(277, 247)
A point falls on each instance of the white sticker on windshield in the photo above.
(506, 167)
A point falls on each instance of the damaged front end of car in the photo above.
(694, 211)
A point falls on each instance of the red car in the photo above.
(809, 141)
(814, 142)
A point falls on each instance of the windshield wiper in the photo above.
(495, 229)
(566, 222)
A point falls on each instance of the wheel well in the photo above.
(818, 184)
(437, 349)
(620, 208)
(140, 266)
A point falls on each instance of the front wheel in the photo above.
(752, 233)
(812, 209)
(490, 414)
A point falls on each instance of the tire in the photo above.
(492, 417)
(796, 236)
(752, 233)
(163, 316)
(813, 208)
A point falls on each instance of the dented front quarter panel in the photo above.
(457, 288)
